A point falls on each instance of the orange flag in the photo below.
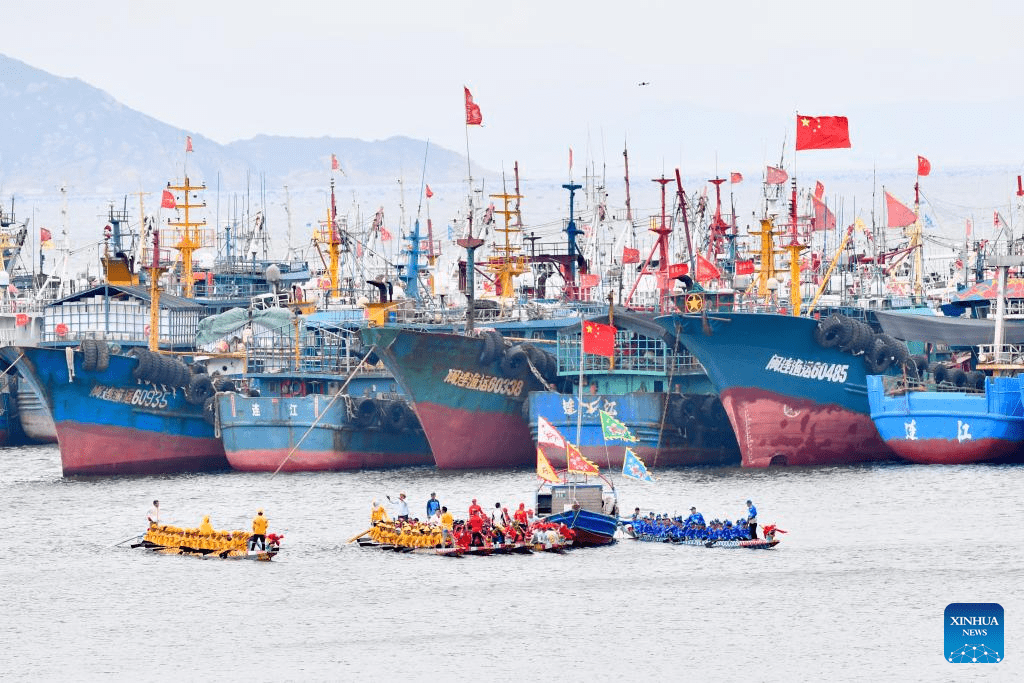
(575, 462)
(544, 469)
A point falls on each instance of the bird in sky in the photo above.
(644, 83)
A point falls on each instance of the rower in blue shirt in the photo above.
(695, 518)
(752, 519)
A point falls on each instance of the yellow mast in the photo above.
(766, 267)
(794, 250)
(508, 263)
(187, 236)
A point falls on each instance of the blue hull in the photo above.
(666, 435)
(591, 528)
(312, 433)
(950, 427)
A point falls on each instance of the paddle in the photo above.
(125, 541)
(359, 535)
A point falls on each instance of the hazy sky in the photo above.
(725, 79)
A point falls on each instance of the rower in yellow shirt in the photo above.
(259, 531)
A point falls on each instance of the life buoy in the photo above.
(298, 388)
(61, 330)
(145, 332)
(21, 320)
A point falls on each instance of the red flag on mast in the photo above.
(819, 190)
(706, 270)
(473, 115)
(188, 143)
(334, 163)
(735, 177)
(776, 176)
(900, 216)
(822, 132)
(924, 167)
(429, 192)
(167, 200)
(630, 255)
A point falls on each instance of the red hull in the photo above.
(104, 449)
(773, 429)
(586, 539)
(462, 439)
(945, 452)
(322, 461)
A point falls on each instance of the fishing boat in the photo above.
(953, 417)
(651, 384)
(588, 509)
(315, 406)
(795, 388)
(137, 413)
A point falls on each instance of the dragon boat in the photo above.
(425, 539)
(223, 545)
(752, 544)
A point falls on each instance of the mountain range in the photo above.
(64, 132)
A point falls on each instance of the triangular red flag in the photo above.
(823, 218)
(575, 462)
(924, 167)
(899, 215)
(429, 193)
(167, 200)
(706, 270)
(473, 115)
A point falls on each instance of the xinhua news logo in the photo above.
(974, 633)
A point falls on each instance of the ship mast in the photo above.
(187, 236)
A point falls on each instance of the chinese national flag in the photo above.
(775, 176)
(575, 462)
(429, 192)
(188, 143)
(544, 469)
(588, 280)
(819, 190)
(167, 201)
(924, 167)
(630, 255)
(822, 132)
(706, 270)
(735, 177)
(745, 267)
(899, 215)
(599, 339)
(473, 115)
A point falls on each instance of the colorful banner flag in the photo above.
(167, 200)
(546, 433)
(735, 177)
(599, 339)
(544, 469)
(634, 468)
(706, 270)
(924, 167)
(775, 176)
(473, 115)
(630, 255)
(575, 462)
(900, 216)
(188, 143)
(614, 430)
(822, 132)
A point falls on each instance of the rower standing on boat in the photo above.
(447, 522)
(259, 531)
(153, 516)
(752, 520)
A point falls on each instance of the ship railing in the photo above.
(900, 385)
(1012, 354)
(320, 351)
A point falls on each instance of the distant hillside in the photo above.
(59, 131)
